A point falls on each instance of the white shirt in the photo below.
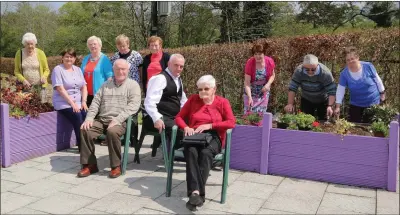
(356, 76)
(154, 93)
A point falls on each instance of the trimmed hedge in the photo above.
(226, 62)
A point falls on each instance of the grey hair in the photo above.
(173, 56)
(310, 59)
(29, 37)
(121, 60)
(206, 79)
(94, 38)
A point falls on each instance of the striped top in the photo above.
(315, 89)
(115, 102)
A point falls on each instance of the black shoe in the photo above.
(196, 200)
(191, 207)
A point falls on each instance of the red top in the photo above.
(219, 114)
(250, 68)
(88, 74)
(154, 66)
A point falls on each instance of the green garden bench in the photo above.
(223, 157)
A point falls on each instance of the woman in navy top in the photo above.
(365, 86)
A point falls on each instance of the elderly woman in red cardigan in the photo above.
(259, 75)
(205, 112)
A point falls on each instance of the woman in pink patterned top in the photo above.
(259, 75)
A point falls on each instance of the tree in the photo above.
(231, 22)
(257, 18)
(322, 13)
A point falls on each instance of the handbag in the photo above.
(199, 139)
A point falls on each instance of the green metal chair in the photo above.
(126, 140)
(143, 133)
(223, 157)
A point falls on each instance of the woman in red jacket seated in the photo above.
(205, 112)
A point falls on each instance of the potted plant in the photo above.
(304, 121)
(379, 129)
(285, 120)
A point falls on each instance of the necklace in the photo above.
(92, 59)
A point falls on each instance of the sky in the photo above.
(12, 5)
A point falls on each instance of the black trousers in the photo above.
(199, 162)
(169, 123)
(308, 107)
(356, 114)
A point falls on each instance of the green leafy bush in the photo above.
(380, 129)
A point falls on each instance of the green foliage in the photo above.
(380, 127)
(342, 126)
(250, 119)
(304, 121)
(381, 113)
(287, 118)
(322, 13)
(293, 126)
(257, 17)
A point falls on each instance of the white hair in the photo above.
(206, 80)
(310, 59)
(173, 56)
(122, 61)
(94, 38)
(29, 37)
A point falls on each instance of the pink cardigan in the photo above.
(250, 68)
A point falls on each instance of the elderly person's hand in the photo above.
(87, 124)
(329, 111)
(43, 80)
(188, 131)
(75, 107)
(84, 106)
(203, 127)
(27, 84)
(112, 124)
(289, 108)
(383, 97)
(159, 124)
(266, 88)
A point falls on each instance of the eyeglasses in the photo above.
(205, 89)
(308, 69)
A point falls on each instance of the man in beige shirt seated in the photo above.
(114, 102)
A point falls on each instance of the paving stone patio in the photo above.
(48, 185)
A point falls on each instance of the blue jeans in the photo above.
(76, 120)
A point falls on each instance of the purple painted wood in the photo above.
(373, 144)
(350, 160)
(267, 125)
(245, 148)
(393, 156)
(34, 137)
(5, 136)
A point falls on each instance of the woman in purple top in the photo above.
(365, 86)
(70, 91)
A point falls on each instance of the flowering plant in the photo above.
(304, 121)
(22, 104)
(250, 118)
(316, 127)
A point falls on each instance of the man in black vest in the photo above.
(165, 97)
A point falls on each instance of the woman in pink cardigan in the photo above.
(259, 75)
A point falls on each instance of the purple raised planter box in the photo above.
(350, 160)
(27, 138)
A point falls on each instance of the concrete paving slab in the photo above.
(149, 211)
(42, 188)
(345, 204)
(297, 196)
(250, 189)
(13, 201)
(45, 158)
(350, 190)
(269, 211)
(236, 204)
(173, 205)
(57, 165)
(260, 178)
(217, 176)
(95, 189)
(22, 165)
(119, 203)
(128, 178)
(61, 203)
(88, 211)
(387, 202)
(27, 211)
(70, 176)
(148, 187)
(9, 185)
(26, 175)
